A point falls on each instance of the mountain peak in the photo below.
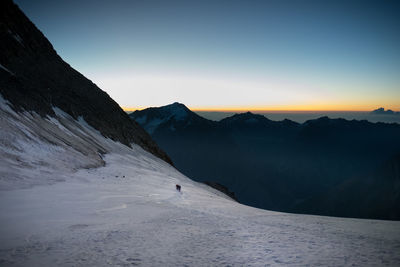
(172, 116)
(176, 104)
(176, 111)
(382, 111)
(246, 117)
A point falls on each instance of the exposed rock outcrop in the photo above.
(34, 77)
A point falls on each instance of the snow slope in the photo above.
(70, 197)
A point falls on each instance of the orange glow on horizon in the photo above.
(296, 108)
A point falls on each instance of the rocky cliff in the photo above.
(34, 77)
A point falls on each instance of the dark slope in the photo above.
(35, 78)
(375, 195)
(191, 140)
(323, 166)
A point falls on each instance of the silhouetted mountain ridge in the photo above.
(382, 111)
(174, 116)
(284, 165)
(247, 117)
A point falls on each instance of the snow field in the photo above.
(64, 203)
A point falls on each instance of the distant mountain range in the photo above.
(324, 166)
(382, 111)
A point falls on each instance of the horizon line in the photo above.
(275, 110)
(131, 109)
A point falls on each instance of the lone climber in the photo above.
(178, 187)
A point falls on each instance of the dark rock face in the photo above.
(34, 78)
(323, 166)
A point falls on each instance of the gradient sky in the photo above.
(288, 55)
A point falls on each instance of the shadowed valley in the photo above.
(324, 166)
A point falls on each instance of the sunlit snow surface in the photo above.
(60, 205)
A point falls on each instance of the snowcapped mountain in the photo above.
(287, 166)
(173, 116)
(75, 194)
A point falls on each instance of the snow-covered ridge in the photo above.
(176, 112)
(37, 150)
(70, 197)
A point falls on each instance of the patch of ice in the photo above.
(4, 68)
(82, 121)
(6, 106)
(16, 36)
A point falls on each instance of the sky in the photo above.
(231, 55)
